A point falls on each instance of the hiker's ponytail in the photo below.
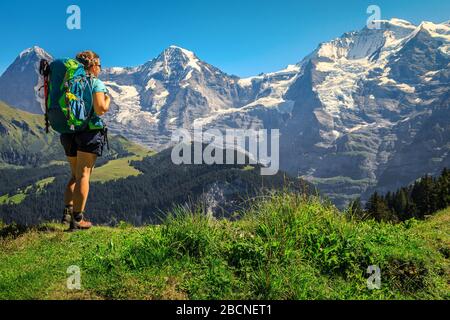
(88, 59)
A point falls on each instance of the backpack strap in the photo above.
(90, 84)
(85, 82)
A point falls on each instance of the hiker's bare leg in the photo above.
(70, 189)
(85, 165)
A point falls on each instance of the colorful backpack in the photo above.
(68, 96)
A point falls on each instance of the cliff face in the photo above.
(368, 110)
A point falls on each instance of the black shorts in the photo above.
(87, 141)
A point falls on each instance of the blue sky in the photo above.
(241, 37)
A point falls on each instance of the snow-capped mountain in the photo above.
(169, 92)
(367, 110)
(371, 109)
(20, 83)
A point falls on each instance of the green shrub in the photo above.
(190, 233)
(149, 250)
(285, 246)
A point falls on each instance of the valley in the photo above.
(367, 111)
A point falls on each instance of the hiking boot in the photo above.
(67, 215)
(79, 223)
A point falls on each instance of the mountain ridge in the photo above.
(348, 112)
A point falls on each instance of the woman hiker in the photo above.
(82, 148)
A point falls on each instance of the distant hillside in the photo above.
(130, 182)
(20, 183)
(153, 186)
(23, 141)
(285, 247)
(367, 111)
(30, 159)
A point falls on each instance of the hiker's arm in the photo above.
(101, 103)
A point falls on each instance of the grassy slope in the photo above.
(26, 136)
(284, 248)
(22, 194)
(22, 134)
(121, 168)
(34, 121)
(112, 170)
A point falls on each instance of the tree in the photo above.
(389, 198)
(424, 196)
(378, 209)
(443, 190)
(356, 211)
(400, 204)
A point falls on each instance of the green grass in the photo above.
(4, 199)
(340, 180)
(26, 143)
(26, 136)
(119, 168)
(285, 247)
(22, 194)
(15, 199)
(44, 182)
(115, 170)
(33, 120)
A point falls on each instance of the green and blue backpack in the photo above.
(68, 96)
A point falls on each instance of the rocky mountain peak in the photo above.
(173, 61)
(34, 51)
(20, 83)
(348, 113)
